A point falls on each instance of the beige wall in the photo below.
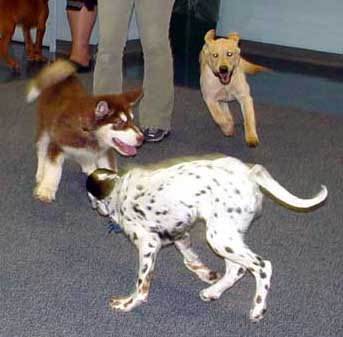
(309, 24)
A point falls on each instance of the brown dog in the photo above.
(222, 79)
(28, 14)
(72, 124)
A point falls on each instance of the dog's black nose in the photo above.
(223, 69)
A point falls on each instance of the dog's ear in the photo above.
(134, 95)
(100, 183)
(101, 110)
(210, 36)
(234, 37)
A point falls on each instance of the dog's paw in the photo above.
(252, 141)
(206, 295)
(121, 304)
(125, 303)
(44, 193)
(227, 130)
(256, 314)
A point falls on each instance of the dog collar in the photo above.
(114, 227)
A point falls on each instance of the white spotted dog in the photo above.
(158, 207)
(74, 125)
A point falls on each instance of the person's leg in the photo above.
(81, 22)
(153, 19)
(114, 16)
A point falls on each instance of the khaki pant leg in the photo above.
(153, 19)
(114, 17)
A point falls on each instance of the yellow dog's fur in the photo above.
(222, 79)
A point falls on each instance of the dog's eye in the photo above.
(229, 53)
(118, 124)
(215, 55)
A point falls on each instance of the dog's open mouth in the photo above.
(123, 148)
(224, 76)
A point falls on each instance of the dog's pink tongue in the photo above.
(225, 77)
(128, 150)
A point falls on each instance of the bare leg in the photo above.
(81, 26)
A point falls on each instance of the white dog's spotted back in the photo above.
(159, 207)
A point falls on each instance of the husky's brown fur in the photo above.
(73, 124)
(27, 14)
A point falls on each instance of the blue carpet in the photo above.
(59, 266)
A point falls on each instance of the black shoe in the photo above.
(154, 135)
(81, 69)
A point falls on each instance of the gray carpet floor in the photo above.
(59, 265)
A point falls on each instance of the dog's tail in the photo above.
(49, 76)
(262, 177)
(251, 68)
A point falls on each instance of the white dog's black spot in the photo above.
(138, 211)
(165, 236)
(229, 250)
(263, 274)
(145, 268)
(240, 271)
(186, 205)
(216, 181)
(139, 195)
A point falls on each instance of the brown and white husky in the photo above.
(72, 124)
